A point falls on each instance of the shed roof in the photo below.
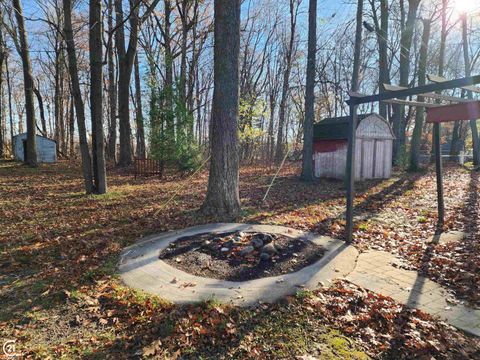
(334, 128)
(37, 135)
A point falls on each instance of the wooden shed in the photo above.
(373, 153)
(46, 148)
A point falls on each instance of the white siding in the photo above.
(46, 149)
(331, 164)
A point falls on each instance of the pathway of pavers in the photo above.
(141, 269)
(375, 271)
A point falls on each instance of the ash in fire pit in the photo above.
(240, 256)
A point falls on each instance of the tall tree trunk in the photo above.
(168, 85)
(112, 92)
(2, 105)
(468, 72)
(222, 197)
(71, 131)
(96, 90)
(399, 121)
(125, 65)
(271, 138)
(10, 103)
(420, 115)
(139, 113)
(381, 29)
(31, 152)
(77, 98)
(279, 152)
(358, 47)
(307, 163)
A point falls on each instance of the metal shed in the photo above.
(46, 148)
(373, 155)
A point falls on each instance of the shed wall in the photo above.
(46, 149)
(373, 152)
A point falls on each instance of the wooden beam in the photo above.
(439, 79)
(411, 103)
(350, 178)
(458, 83)
(439, 170)
(431, 95)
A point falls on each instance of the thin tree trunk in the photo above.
(2, 107)
(307, 163)
(112, 93)
(71, 131)
(468, 72)
(42, 110)
(279, 152)
(168, 86)
(10, 106)
(399, 121)
(358, 47)
(96, 90)
(31, 152)
(77, 98)
(382, 37)
(420, 115)
(125, 65)
(222, 197)
(139, 113)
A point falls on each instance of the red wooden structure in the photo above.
(147, 167)
(455, 112)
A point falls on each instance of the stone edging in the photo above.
(141, 269)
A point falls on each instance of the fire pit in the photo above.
(214, 261)
(240, 255)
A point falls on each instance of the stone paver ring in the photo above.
(140, 268)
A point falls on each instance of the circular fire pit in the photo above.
(240, 255)
(237, 263)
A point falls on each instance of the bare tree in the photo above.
(140, 151)
(307, 163)
(279, 152)
(77, 98)
(420, 115)
(399, 121)
(112, 91)
(31, 143)
(96, 92)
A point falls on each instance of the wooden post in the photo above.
(350, 171)
(438, 168)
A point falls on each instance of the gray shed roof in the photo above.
(37, 135)
(334, 128)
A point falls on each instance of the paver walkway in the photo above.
(141, 269)
(375, 271)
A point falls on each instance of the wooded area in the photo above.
(110, 80)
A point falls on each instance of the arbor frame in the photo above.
(358, 99)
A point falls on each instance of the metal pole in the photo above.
(350, 171)
(438, 168)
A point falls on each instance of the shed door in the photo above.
(368, 156)
(379, 161)
(24, 150)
